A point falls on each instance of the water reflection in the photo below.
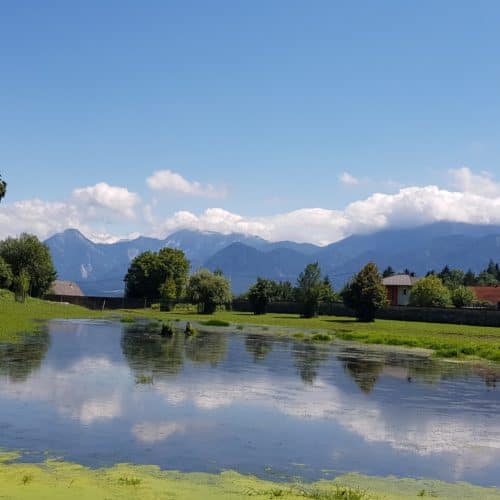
(307, 359)
(364, 372)
(239, 401)
(205, 347)
(151, 355)
(19, 359)
(259, 346)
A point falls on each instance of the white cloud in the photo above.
(476, 201)
(166, 180)
(407, 208)
(153, 432)
(348, 179)
(481, 184)
(102, 195)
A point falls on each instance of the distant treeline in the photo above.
(489, 276)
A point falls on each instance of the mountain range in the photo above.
(99, 268)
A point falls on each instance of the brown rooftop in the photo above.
(60, 287)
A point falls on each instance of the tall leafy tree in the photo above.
(260, 294)
(30, 260)
(365, 293)
(309, 289)
(208, 290)
(153, 274)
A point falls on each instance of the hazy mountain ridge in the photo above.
(99, 268)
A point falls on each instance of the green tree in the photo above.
(365, 293)
(308, 291)
(21, 285)
(470, 278)
(208, 290)
(452, 278)
(5, 274)
(3, 188)
(174, 268)
(388, 271)
(260, 294)
(461, 296)
(27, 254)
(430, 292)
(152, 274)
(486, 279)
(327, 293)
(284, 291)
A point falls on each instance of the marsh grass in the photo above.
(215, 322)
(130, 481)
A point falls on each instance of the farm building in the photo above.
(66, 288)
(398, 288)
(487, 293)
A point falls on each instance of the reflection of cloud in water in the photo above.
(404, 428)
(153, 432)
(86, 391)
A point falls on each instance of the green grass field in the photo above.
(449, 341)
(17, 318)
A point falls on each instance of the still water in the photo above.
(100, 393)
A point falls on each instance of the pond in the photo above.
(100, 393)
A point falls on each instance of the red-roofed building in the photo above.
(487, 293)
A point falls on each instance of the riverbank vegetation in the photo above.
(60, 480)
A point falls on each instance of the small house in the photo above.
(66, 288)
(398, 288)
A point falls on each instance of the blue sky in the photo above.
(278, 105)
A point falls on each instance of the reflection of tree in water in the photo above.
(363, 371)
(206, 347)
(18, 360)
(308, 357)
(258, 345)
(150, 354)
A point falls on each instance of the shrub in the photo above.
(462, 297)
(430, 292)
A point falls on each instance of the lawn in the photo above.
(17, 318)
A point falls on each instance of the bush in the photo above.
(208, 290)
(430, 292)
(462, 297)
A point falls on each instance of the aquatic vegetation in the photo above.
(215, 322)
(60, 480)
(189, 330)
(167, 329)
(322, 337)
(127, 319)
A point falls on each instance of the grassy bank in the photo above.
(450, 341)
(61, 480)
(16, 318)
